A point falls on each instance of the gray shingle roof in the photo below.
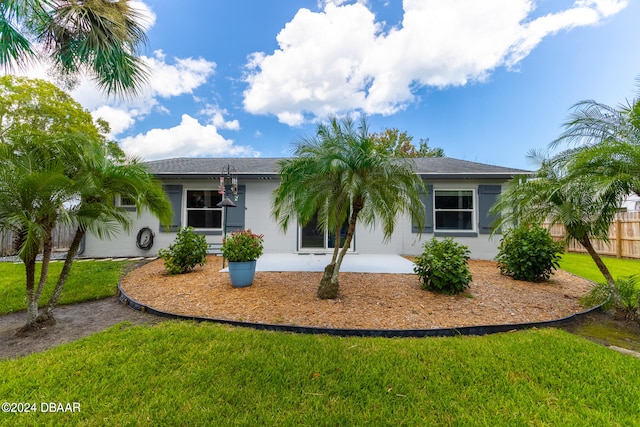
(432, 166)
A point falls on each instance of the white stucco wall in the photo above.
(258, 218)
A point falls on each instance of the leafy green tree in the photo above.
(100, 37)
(53, 156)
(396, 143)
(339, 175)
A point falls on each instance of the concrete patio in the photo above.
(353, 263)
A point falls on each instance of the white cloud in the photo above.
(167, 79)
(148, 16)
(217, 118)
(340, 59)
(188, 139)
(119, 120)
(183, 76)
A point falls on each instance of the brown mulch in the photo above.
(366, 301)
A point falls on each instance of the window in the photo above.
(126, 201)
(454, 210)
(202, 211)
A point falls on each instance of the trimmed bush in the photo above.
(529, 253)
(443, 267)
(188, 250)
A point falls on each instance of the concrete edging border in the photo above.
(385, 333)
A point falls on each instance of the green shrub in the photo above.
(443, 267)
(529, 253)
(188, 250)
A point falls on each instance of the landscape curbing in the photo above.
(383, 333)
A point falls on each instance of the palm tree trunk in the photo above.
(329, 285)
(47, 316)
(32, 302)
(46, 258)
(336, 244)
(586, 242)
(347, 240)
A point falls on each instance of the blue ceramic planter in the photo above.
(242, 273)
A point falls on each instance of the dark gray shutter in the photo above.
(235, 216)
(174, 193)
(427, 201)
(487, 196)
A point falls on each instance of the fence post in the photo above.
(618, 237)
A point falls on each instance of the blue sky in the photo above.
(485, 80)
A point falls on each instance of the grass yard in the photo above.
(582, 265)
(88, 280)
(185, 373)
(182, 373)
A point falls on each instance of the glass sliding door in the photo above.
(312, 237)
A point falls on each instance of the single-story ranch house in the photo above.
(459, 196)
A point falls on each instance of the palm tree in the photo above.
(340, 176)
(600, 169)
(606, 142)
(99, 179)
(53, 156)
(32, 191)
(552, 194)
(101, 37)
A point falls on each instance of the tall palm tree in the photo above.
(340, 176)
(101, 37)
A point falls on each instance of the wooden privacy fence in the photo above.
(62, 237)
(624, 237)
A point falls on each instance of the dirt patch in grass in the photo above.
(73, 322)
(366, 301)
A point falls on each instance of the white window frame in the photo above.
(120, 202)
(186, 209)
(473, 210)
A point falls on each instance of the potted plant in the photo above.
(242, 249)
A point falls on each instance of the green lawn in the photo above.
(88, 280)
(182, 373)
(185, 373)
(582, 265)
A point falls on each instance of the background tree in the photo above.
(100, 37)
(396, 143)
(52, 156)
(340, 175)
